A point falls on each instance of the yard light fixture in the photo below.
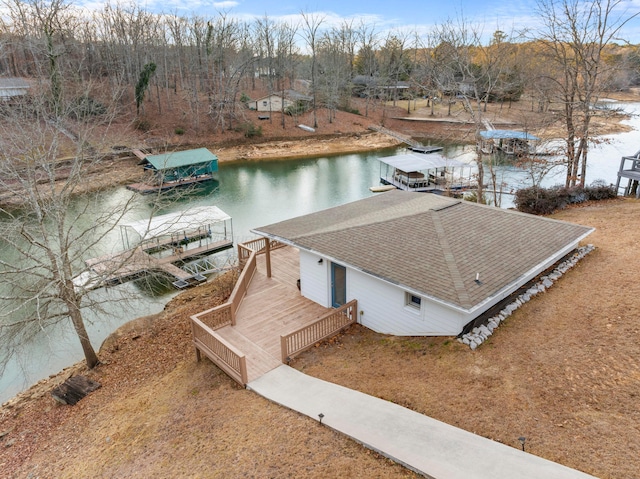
(522, 440)
(321, 416)
(320, 261)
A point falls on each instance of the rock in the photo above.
(547, 283)
(541, 288)
(473, 345)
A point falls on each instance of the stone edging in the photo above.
(478, 335)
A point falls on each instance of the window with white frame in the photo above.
(412, 300)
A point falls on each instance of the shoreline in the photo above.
(267, 150)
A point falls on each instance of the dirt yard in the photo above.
(563, 371)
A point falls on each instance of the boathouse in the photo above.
(510, 142)
(421, 264)
(182, 165)
(424, 172)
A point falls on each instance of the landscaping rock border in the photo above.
(478, 335)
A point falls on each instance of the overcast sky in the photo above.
(506, 15)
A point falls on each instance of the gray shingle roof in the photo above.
(431, 244)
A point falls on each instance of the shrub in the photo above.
(142, 125)
(85, 106)
(472, 197)
(297, 109)
(348, 109)
(600, 190)
(179, 131)
(250, 130)
(534, 200)
(544, 201)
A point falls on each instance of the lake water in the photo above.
(257, 193)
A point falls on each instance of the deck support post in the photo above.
(267, 252)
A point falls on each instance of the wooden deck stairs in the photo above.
(266, 320)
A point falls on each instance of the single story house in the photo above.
(181, 165)
(420, 263)
(11, 88)
(278, 102)
(376, 87)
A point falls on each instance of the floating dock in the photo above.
(413, 145)
(165, 244)
(425, 149)
(146, 188)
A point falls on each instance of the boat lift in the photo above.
(168, 244)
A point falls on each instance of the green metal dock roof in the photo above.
(179, 159)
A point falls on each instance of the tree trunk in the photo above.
(78, 324)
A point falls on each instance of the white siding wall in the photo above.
(382, 305)
(273, 103)
(315, 279)
(383, 309)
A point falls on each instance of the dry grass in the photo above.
(563, 371)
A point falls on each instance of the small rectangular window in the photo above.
(264, 103)
(412, 300)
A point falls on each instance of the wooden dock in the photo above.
(413, 144)
(146, 188)
(128, 265)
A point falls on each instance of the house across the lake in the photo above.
(421, 264)
(278, 102)
(13, 88)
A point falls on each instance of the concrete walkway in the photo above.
(427, 446)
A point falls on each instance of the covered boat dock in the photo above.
(428, 173)
(510, 142)
(176, 169)
(167, 244)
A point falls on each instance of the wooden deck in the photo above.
(125, 266)
(272, 307)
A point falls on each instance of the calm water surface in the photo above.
(259, 193)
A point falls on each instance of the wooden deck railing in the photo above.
(223, 354)
(225, 314)
(324, 327)
(204, 324)
(259, 245)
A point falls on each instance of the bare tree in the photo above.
(310, 33)
(365, 62)
(574, 36)
(50, 230)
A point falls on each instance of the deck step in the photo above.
(259, 361)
